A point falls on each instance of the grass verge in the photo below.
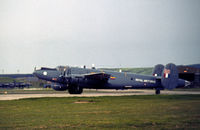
(125, 112)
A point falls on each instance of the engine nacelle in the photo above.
(59, 87)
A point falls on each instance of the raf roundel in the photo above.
(44, 73)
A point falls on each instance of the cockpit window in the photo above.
(62, 68)
(45, 68)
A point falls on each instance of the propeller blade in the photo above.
(64, 72)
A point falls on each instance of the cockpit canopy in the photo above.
(62, 68)
(58, 68)
(45, 68)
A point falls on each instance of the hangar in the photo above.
(190, 73)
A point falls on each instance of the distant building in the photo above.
(190, 73)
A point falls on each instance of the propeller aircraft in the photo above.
(75, 79)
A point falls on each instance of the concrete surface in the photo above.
(93, 93)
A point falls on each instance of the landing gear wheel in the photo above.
(75, 89)
(157, 91)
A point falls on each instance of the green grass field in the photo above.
(125, 112)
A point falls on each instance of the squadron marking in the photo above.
(145, 81)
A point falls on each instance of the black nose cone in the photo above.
(36, 73)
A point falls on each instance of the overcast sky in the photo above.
(108, 33)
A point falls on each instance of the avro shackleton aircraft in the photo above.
(75, 79)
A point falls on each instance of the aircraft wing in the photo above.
(97, 76)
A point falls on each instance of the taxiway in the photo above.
(98, 93)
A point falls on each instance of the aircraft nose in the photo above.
(37, 73)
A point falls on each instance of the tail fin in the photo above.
(158, 69)
(169, 78)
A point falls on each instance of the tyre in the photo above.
(75, 89)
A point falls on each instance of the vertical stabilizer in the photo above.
(158, 69)
(169, 78)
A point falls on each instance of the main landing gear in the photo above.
(75, 89)
(157, 91)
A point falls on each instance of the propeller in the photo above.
(64, 72)
(65, 76)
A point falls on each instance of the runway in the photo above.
(93, 93)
